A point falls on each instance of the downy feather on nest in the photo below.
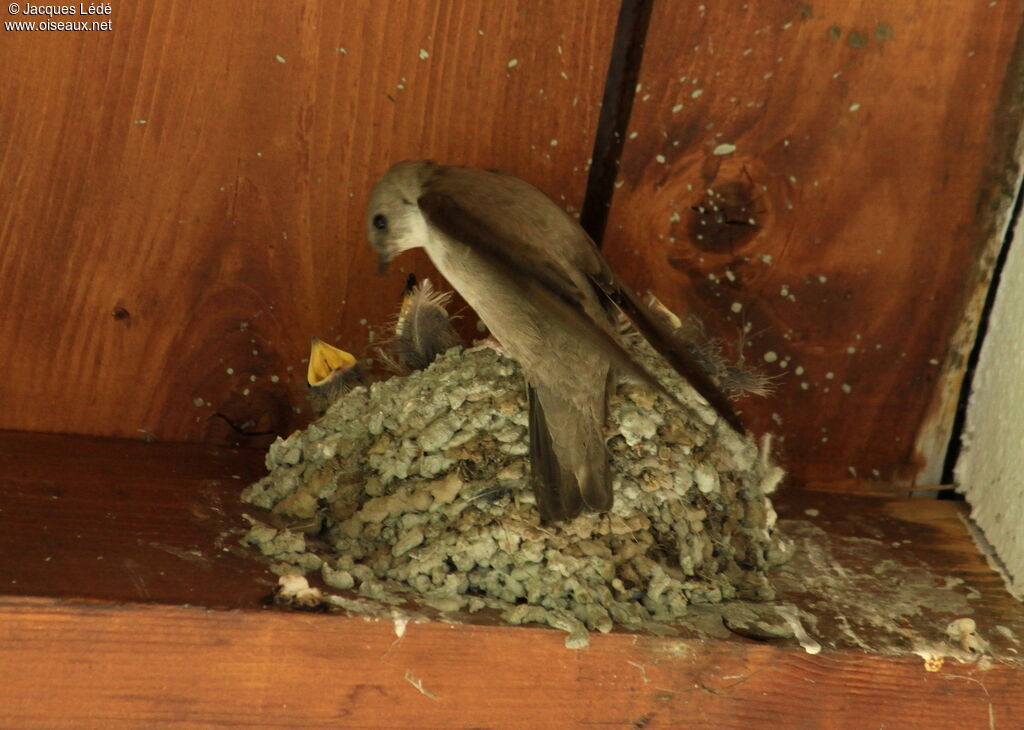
(423, 329)
(734, 378)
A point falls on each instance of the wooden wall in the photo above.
(875, 157)
(183, 196)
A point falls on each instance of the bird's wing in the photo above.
(507, 219)
(504, 228)
(519, 228)
(665, 342)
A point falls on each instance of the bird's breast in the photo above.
(494, 295)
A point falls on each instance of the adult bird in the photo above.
(540, 285)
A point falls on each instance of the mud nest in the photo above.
(418, 488)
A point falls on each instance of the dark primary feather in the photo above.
(664, 341)
(558, 496)
(567, 448)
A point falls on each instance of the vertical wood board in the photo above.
(184, 195)
(835, 176)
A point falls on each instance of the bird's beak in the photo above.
(382, 263)
(325, 360)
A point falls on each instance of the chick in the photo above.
(331, 373)
(423, 329)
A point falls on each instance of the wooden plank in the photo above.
(75, 664)
(185, 194)
(862, 534)
(161, 515)
(122, 520)
(876, 150)
(130, 522)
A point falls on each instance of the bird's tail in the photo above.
(568, 455)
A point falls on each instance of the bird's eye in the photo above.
(380, 222)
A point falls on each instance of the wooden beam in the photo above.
(104, 540)
(129, 666)
(121, 520)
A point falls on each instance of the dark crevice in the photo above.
(242, 429)
(616, 107)
(1004, 177)
(959, 420)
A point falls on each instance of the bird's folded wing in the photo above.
(550, 288)
(519, 229)
(665, 342)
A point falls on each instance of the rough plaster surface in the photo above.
(990, 471)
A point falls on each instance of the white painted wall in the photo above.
(990, 470)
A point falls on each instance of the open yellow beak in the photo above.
(325, 360)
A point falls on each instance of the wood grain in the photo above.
(876, 151)
(864, 533)
(185, 194)
(124, 521)
(82, 664)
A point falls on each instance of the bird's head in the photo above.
(394, 221)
